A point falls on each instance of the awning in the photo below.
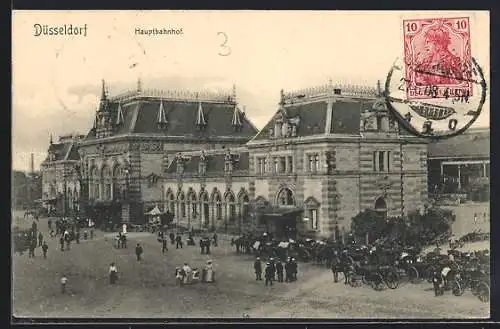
(154, 212)
(280, 211)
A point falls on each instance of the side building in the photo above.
(60, 176)
(460, 165)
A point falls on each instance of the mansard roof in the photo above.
(140, 114)
(308, 110)
(215, 163)
(67, 150)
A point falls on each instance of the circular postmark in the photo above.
(435, 102)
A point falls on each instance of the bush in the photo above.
(371, 222)
(415, 229)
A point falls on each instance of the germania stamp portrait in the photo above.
(437, 53)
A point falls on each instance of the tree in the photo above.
(371, 222)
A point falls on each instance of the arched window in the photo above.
(285, 197)
(244, 206)
(107, 181)
(205, 209)
(171, 203)
(117, 182)
(230, 206)
(182, 205)
(94, 182)
(217, 204)
(192, 204)
(381, 206)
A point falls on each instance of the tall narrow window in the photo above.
(375, 167)
(388, 160)
(276, 165)
(311, 163)
(290, 164)
(283, 164)
(316, 166)
(381, 161)
(264, 168)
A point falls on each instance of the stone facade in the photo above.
(330, 151)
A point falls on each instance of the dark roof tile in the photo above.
(312, 119)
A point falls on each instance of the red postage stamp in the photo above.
(437, 55)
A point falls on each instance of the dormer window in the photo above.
(202, 165)
(278, 125)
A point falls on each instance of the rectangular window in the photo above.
(290, 164)
(276, 165)
(317, 163)
(375, 161)
(259, 166)
(311, 163)
(264, 165)
(283, 164)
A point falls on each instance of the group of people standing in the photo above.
(187, 275)
(276, 268)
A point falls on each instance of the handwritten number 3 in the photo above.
(226, 51)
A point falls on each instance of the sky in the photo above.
(57, 79)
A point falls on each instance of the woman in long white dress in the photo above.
(209, 273)
(188, 275)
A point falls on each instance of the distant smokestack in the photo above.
(32, 164)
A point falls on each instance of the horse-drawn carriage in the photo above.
(473, 273)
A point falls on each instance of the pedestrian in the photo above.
(77, 237)
(91, 233)
(113, 273)
(31, 250)
(40, 239)
(164, 245)
(475, 218)
(437, 281)
(279, 270)
(172, 237)
(215, 239)
(207, 245)
(61, 242)
(138, 251)
(64, 281)
(178, 241)
(273, 268)
(257, 266)
(202, 246)
(208, 273)
(268, 274)
(294, 269)
(50, 224)
(335, 267)
(45, 247)
(68, 241)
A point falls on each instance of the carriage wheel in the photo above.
(456, 288)
(483, 292)
(413, 274)
(392, 280)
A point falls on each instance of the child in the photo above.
(44, 249)
(113, 273)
